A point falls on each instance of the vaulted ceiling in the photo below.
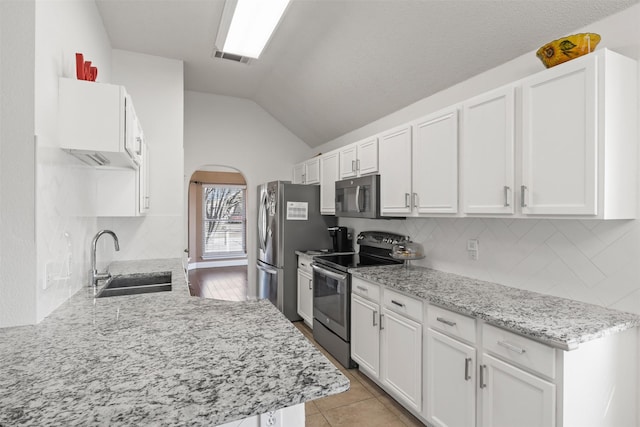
(335, 65)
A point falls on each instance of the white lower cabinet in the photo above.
(386, 342)
(401, 357)
(479, 374)
(305, 290)
(450, 382)
(513, 397)
(365, 335)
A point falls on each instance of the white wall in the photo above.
(592, 261)
(234, 132)
(65, 223)
(156, 86)
(17, 187)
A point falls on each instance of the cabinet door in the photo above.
(143, 179)
(367, 161)
(348, 157)
(435, 163)
(298, 174)
(401, 356)
(365, 334)
(559, 140)
(329, 171)
(450, 389)
(305, 297)
(513, 397)
(395, 171)
(312, 172)
(488, 142)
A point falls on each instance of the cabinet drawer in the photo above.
(304, 263)
(403, 304)
(365, 289)
(523, 351)
(454, 324)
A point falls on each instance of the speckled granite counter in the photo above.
(157, 359)
(559, 322)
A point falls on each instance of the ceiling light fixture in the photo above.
(247, 25)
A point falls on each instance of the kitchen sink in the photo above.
(137, 284)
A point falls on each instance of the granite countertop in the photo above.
(157, 359)
(559, 322)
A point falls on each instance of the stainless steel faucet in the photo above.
(95, 276)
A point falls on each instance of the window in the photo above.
(224, 221)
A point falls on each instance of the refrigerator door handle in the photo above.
(267, 269)
(262, 222)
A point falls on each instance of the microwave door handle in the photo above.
(358, 199)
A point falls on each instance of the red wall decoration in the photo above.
(84, 70)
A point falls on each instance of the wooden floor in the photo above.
(363, 405)
(225, 283)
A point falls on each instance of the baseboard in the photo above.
(218, 263)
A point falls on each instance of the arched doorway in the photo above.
(217, 233)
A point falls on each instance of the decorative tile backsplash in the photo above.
(592, 261)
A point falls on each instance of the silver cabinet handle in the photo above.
(399, 304)
(523, 189)
(415, 200)
(358, 164)
(482, 369)
(445, 321)
(467, 368)
(381, 327)
(511, 347)
(506, 195)
(310, 285)
(407, 203)
(375, 316)
(362, 288)
(304, 176)
(353, 165)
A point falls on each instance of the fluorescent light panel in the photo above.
(251, 27)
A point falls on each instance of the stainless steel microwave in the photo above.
(358, 197)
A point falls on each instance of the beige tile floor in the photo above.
(364, 405)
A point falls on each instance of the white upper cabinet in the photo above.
(559, 141)
(329, 173)
(360, 158)
(395, 172)
(307, 172)
(97, 123)
(488, 153)
(435, 163)
(419, 166)
(579, 138)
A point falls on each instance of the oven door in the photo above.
(331, 304)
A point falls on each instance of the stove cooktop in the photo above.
(343, 262)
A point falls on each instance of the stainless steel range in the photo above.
(332, 290)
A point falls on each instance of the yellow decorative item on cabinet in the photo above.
(567, 48)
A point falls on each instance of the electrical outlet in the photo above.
(271, 419)
(473, 247)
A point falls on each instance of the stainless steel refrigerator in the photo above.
(288, 220)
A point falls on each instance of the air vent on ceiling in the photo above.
(231, 57)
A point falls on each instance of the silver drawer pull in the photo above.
(362, 288)
(511, 347)
(482, 378)
(445, 321)
(375, 316)
(399, 304)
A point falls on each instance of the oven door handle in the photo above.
(328, 273)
